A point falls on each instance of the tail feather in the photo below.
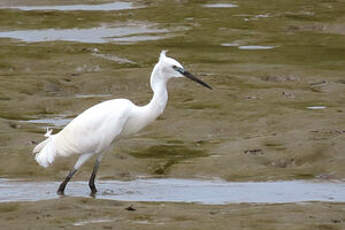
(40, 146)
(45, 152)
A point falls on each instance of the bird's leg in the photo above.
(93, 175)
(81, 160)
(62, 186)
(92, 178)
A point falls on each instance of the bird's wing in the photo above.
(95, 129)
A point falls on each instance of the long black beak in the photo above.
(191, 76)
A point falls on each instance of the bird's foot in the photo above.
(93, 193)
(60, 192)
(93, 190)
(61, 189)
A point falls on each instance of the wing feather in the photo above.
(95, 129)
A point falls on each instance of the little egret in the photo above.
(95, 130)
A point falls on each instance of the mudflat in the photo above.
(82, 213)
(276, 111)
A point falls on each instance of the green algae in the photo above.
(9, 207)
(167, 156)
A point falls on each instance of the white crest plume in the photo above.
(163, 54)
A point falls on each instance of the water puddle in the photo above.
(247, 47)
(220, 5)
(316, 107)
(81, 223)
(181, 190)
(249, 17)
(113, 58)
(139, 38)
(92, 95)
(230, 44)
(262, 16)
(96, 7)
(103, 34)
(54, 121)
(253, 47)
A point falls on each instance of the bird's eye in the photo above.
(178, 69)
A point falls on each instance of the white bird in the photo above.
(95, 130)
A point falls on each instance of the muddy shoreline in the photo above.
(76, 213)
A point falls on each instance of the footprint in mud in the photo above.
(254, 152)
(288, 94)
(130, 208)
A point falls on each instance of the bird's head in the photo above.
(172, 68)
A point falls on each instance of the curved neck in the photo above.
(141, 116)
(160, 92)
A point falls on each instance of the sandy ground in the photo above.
(254, 126)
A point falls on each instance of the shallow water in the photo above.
(247, 47)
(113, 58)
(220, 5)
(181, 190)
(100, 34)
(255, 47)
(81, 223)
(229, 44)
(56, 122)
(316, 107)
(98, 7)
(92, 95)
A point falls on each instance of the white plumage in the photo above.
(91, 132)
(97, 128)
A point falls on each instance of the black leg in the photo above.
(92, 179)
(62, 186)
